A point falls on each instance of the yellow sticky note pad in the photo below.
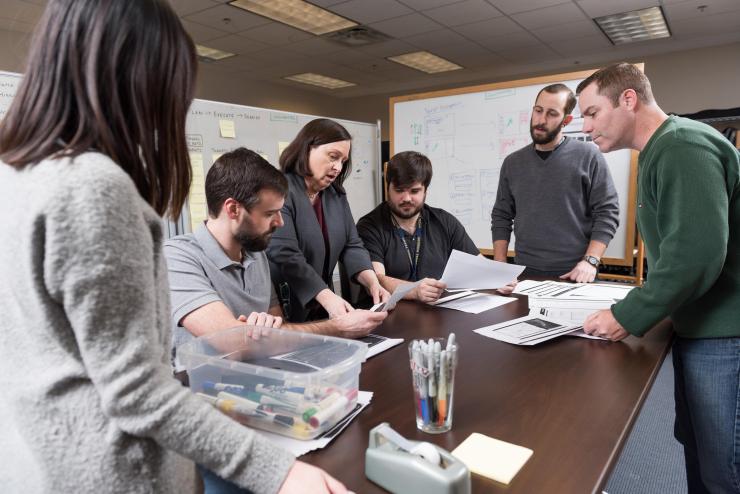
(227, 128)
(491, 458)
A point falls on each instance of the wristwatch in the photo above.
(593, 261)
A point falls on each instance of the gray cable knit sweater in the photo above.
(88, 400)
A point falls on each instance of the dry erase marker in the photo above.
(442, 408)
(323, 416)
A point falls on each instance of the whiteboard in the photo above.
(467, 133)
(210, 125)
(8, 87)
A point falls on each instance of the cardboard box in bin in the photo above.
(292, 383)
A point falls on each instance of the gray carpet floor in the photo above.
(652, 460)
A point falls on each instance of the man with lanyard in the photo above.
(407, 239)
(558, 195)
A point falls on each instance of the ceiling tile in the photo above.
(185, 7)
(227, 18)
(515, 40)
(201, 33)
(463, 12)
(571, 30)
(23, 12)
(597, 8)
(276, 56)
(16, 26)
(366, 12)
(515, 6)
(389, 48)
(529, 54)
(689, 10)
(326, 3)
(276, 34)
(236, 44)
(427, 4)
(715, 24)
(432, 39)
(488, 28)
(346, 56)
(407, 25)
(582, 46)
(550, 16)
(374, 65)
(314, 46)
(467, 54)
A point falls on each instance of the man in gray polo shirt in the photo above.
(219, 275)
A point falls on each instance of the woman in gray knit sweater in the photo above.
(92, 151)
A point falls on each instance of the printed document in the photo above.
(528, 330)
(478, 273)
(476, 303)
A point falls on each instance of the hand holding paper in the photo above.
(400, 291)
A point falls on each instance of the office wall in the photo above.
(683, 82)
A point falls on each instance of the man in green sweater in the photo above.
(688, 214)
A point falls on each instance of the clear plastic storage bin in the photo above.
(292, 383)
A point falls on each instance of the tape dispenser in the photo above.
(401, 466)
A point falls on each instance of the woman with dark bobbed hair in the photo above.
(92, 151)
(319, 229)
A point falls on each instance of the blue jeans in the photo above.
(707, 388)
(213, 484)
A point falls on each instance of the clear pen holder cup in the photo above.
(433, 363)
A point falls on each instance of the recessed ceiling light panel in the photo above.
(209, 53)
(319, 80)
(425, 62)
(636, 25)
(297, 13)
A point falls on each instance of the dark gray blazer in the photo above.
(296, 251)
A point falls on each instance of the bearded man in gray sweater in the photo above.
(558, 195)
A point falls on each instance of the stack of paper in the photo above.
(527, 330)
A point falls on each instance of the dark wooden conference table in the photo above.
(571, 400)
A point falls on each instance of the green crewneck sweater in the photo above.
(688, 213)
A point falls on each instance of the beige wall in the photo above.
(683, 82)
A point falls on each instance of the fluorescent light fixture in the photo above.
(212, 53)
(319, 80)
(636, 25)
(425, 61)
(297, 13)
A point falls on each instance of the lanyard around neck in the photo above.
(413, 259)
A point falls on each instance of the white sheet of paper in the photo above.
(600, 291)
(571, 310)
(528, 330)
(400, 291)
(456, 294)
(544, 288)
(478, 273)
(477, 303)
(299, 447)
(378, 344)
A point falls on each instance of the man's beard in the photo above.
(403, 214)
(254, 243)
(549, 135)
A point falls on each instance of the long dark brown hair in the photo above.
(294, 158)
(111, 76)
